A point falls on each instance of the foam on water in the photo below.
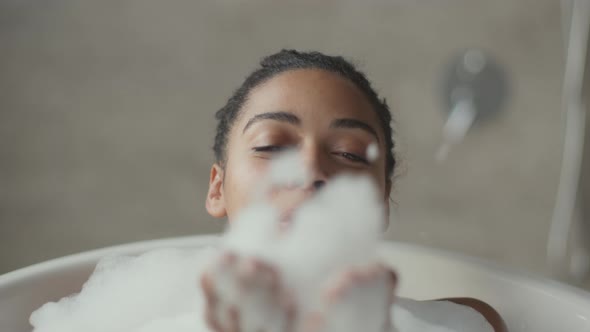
(132, 294)
(336, 229)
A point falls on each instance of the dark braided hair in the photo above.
(286, 60)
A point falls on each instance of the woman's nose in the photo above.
(316, 164)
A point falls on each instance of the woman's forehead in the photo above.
(312, 95)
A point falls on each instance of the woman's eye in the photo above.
(353, 157)
(269, 148)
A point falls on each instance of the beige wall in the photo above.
(106, 116)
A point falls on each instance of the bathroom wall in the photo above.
(106, 116)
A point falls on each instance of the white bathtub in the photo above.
(526, 303)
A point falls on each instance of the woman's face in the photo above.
(324, 116)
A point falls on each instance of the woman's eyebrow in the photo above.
(354, 124)
(276, 116)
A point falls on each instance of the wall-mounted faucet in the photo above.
(474, 88)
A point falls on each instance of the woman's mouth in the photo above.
(286, 218)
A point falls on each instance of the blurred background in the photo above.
(107, 117)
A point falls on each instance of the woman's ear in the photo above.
(215, 202)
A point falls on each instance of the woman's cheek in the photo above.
(248, 177)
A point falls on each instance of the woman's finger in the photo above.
(234, 319)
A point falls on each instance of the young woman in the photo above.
(326, 109)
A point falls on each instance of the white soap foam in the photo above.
(288, 170)
(345, 212)
(337, 228)
(372, 152)
(158, 288)
(254, 231)
(158, 292)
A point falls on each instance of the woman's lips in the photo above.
(286, 218)
(287, 200)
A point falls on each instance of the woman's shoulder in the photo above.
(486, 310)
(454, 314)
